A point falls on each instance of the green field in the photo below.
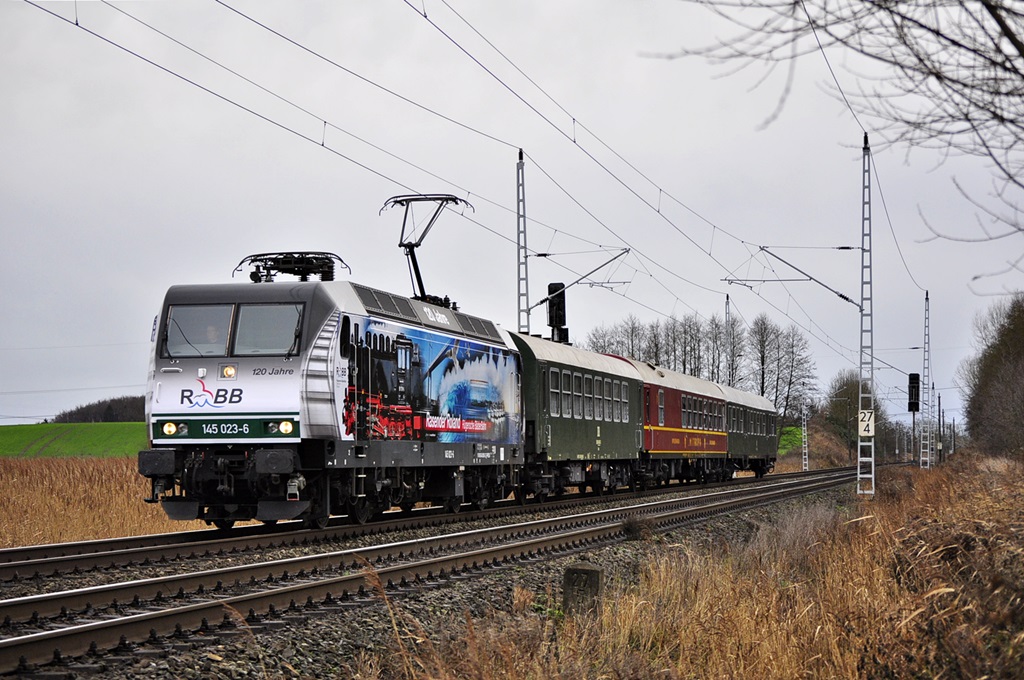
(72, 439)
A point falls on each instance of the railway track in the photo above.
(93, 621)
(34, 562)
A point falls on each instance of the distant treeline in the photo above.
(117, 410)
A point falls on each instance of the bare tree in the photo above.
(734, 357)
(993, 381)
(693, 346)
(953, 76)
(601, 339)
(762, 350)
(632, 336)
(654, 349)
(671, 332)
(796, 372)
(716, 348)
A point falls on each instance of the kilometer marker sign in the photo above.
(867, 423)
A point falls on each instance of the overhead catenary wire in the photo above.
(575, 141)
(362, 165)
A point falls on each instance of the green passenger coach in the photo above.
(586, 425)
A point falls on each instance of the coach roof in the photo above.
(567, 355)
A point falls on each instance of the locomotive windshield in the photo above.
(198, 330)
(268, 329)
(205, 330)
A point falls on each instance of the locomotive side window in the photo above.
(556, 391)
(197, 330)
(268, 329)
(661, 408)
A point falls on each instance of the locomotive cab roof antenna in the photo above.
(410, 244)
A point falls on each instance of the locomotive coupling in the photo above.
(296, 483)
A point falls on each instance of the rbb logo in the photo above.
(208, 398)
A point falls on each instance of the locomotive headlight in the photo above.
(171, 429)
(272, 428)
(286, 427)
(228, 372)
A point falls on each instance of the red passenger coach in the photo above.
(683, 415)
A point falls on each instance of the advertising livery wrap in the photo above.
(401, 382)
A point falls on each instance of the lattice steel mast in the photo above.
(524, 279)
(866, 415)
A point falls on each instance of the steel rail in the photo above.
(22, 609)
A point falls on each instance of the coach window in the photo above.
(608, 399)
(556, 391)
(625, 402)
(577, 395)
(661, 407)
(566, 394)
(616, 402)
(598, 399)
(588, 397)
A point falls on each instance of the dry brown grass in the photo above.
(926, 580)
(52, 500)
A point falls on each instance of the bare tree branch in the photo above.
(952, 77)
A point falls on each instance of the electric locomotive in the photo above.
(311, 398)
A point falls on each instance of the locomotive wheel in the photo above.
(223, 523)
(316, 522)
(520, 494)
(452, 505)
(360, 511)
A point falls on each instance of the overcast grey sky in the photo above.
(121, 178)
